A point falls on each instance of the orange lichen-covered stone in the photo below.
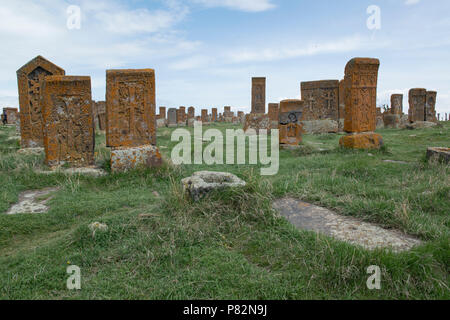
(130, 108)
(68, 121)
(290, 115)
(128, 158)
(214, 115)
(12, 115)
(273, 111)
(258, 95)
(29, 79)
(361, 78)
(366, 140)
(205, 118)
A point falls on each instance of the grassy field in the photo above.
(231, 245)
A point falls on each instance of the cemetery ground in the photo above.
(233, 244)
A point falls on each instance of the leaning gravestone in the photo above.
(68, 121)
(29, 79)
(131, 119)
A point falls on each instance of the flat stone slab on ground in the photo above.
(32, 201)
(370, 236)
(396, 161)
(31, 151)
(89, 171)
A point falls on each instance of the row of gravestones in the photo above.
(57, 114)
(348, 105)
(179, 117)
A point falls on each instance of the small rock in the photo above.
(97, 226)
(156, 194)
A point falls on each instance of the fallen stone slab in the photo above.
(89, 171)
(396, 161)
(439, 154)
(203, 182)
(306, 216)
(32, 201)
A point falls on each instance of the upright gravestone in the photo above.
(361, 78)
(431, 106)
(12, 115)
(29, 79)
(191, 116)
(290, 115)
(161, 118)
(214, 115)
(172, 118)
(181, 117)
(162, 113)
(205, 118)
(227, 114)
(393, 118)
(131, 119)
(258, 119)
(417, 104)
(341, 105)
(68, 121)
(273, 114)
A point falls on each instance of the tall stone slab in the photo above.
(361, 79)
(431, 106)
(162, 113)
(181, 117)
(417, 99)
(273, 114)
(68, 121)
(172, 118)
(205, 117)
(131, 119)
(259, 95)
(393, 118)
(290, 127)
(130, 108)
(214, 117)
(29, 79)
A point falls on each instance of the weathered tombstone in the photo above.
(205, 118)
(341, 105)
(11, 115)
(68, 121)
(290, 115)
(393, 118)
(214, 115)
(273, 114)
(227, 114)
(321, 103)
(99, 112)
(361, 77)
(181, 117)
(380, 122)
(431, 106)
(29, 79)
(241, 116)
(417, 104)
(259, 95)
(191, 116)
(131, 119)
(162, 113)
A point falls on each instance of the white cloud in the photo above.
(241, 5)
(411, 2)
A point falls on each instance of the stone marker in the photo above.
(361, 77)
(290, 127)
(205, 118)
(214, 115)
(181, 117)
(99, 114)
(131, 119)
(29, 79)
(162, 113)
(203, 182)
(417, 104)
(33, 201)
(191, 116)
(227, 114)
(259, 95)
(68, 121)
(431, 107)
(341, 105)
(308, 217)
(273, 115)
(439, 154)
(12, 115)
(172, 118)
(379, 121)
(393, 118)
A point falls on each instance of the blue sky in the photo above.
(206, 51)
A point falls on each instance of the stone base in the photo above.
(320, 126)
(420, 125)
(161, 123)
(128, 158)
(364, 140)
(202, 182)
(439, 154)
(257, 122)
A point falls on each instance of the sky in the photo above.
(205, 52)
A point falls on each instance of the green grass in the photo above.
(231, 245)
